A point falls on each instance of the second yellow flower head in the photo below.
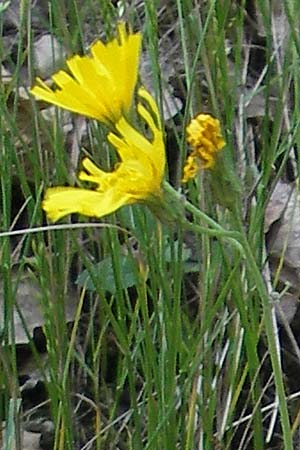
(205, 137)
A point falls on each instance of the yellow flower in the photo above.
(204, 136)
(137, 177)
(190, 169)
(99, 86)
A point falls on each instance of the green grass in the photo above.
(183, 356)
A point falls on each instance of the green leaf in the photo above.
(106, 276)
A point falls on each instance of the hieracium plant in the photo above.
(102, 86)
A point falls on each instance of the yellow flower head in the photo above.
(190, 169)
(99, 86)
(137, 177)
(204, 136)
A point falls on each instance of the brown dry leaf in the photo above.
(285, 274)
(28, 297)
(282, 224)
(171, 104)
(6, 76)
(255, 104)
(286, 307)
(30, 441)
(48, 55)
(286, 243)
(280, 25)
(277, 203)
(21, 121)
(12, 14)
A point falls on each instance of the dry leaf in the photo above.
(282, 224)
(28, 298)
(48, 55)
(286, 243)
(30, 441)
(171, 104)
(277, 203)
(286, 307)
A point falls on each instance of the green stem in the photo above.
(214, 230)
(271, 337)
(191, 208)
(257, 277)
(240, 240)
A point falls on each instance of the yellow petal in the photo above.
(190, 169)
(71, 96)
(205, 137)
(137, 177)
(99, 86)
(61, 201)
(131, 144)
